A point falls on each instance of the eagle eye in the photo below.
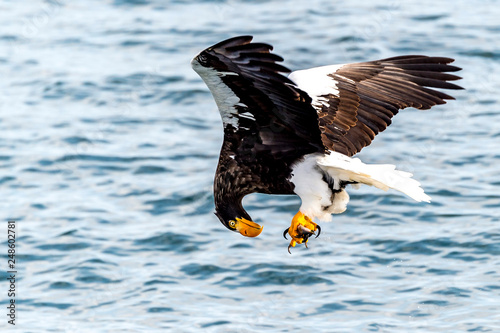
(232, 224)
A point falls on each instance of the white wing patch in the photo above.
(225, 98)
(316, 82)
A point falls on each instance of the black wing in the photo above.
(262, 110)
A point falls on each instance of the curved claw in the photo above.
(289, 246)
(284, 235)
(319, 231)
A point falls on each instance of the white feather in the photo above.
(317, 200)
(383, 176)
(225, 98)
(246, 115)
(311, 188)
(316, 82)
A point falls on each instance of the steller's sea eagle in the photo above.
(297, 134)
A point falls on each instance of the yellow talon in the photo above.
(301, 229)
(292, 244)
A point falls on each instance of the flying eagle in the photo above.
(297, 134)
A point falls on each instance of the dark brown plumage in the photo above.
(371, 93)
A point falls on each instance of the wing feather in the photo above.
(363, 97)
(266, 115)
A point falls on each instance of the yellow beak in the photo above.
(248, 228)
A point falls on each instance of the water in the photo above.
(109, 142)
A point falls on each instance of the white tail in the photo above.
(383, 176)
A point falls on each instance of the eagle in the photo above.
(297, 134)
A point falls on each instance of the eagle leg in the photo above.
(301, 229)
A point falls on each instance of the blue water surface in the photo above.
(109, 142)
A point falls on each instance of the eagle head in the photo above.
(235, 218)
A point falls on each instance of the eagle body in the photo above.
(297, 134)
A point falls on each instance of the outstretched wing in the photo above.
(357, 101)
(262, 110)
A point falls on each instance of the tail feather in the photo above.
(384, 176)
